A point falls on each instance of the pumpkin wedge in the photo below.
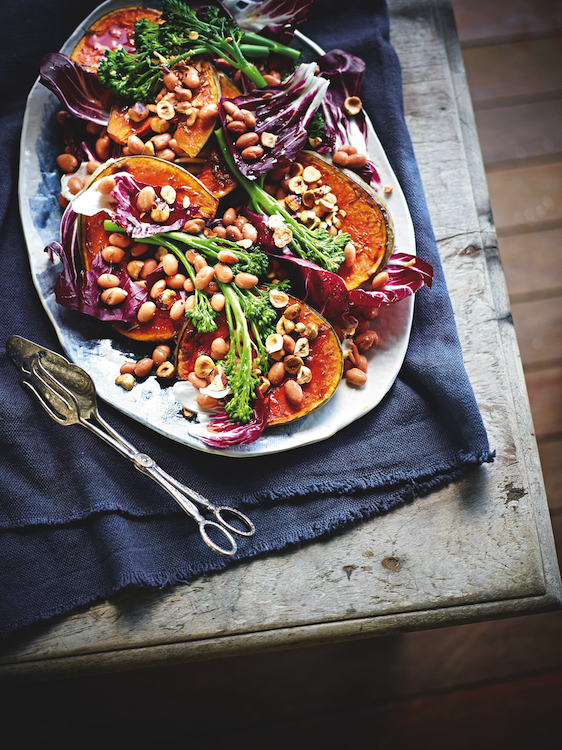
(190, 136)
(324, 360)
(94, 237)
(120, 126)
(113, 30)
(215, 175)
(367, 218)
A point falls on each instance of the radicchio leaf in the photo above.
(120, 205)
(79, 91)
(286, 114)
(345, 73)
(407, 274)
(224, 432)
(78, 290)
(278, 16)
(89, 294)
(126, 187)
(327, 293)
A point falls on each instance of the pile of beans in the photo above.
(174, 289)
(357, 342)
(178, 101)
(288, 347)
(240, 126)
(132, 371)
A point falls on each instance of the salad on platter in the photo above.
(222, 212)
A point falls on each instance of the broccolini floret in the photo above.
(181, 35)
(135, 78)
(315, 245)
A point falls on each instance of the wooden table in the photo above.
(480, 549)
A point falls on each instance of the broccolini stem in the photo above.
(208, 247)
(322, 249)
(248, 37)
(239, 365)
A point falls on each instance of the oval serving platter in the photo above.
(86, 341)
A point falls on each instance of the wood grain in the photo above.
(532, 263)
(506, 72)
(521, 131)
(484, 21)
(527, 197)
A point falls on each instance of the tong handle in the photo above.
(145, 464)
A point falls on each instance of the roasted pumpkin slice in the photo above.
(191, 136)
(367, 218)
(324, 360)
(120, 126)
(155, 172)
(215, 175)
(113, 30)
(229, 90)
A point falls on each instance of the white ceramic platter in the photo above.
(87, 343)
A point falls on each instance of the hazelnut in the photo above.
(125, 380)
(353, 105)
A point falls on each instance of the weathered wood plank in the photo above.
(506, 72)
(481, 20)
(522, 131)
(526, 197)
(532, 262)
(326, 710)
(489, 534)
(368, 673)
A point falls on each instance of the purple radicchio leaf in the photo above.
(126, 187)
(407, 274)
(66, 288)
(223, 431)
(327, 293)
(79, 91)
(345, 73)
(121, 206)
(77, 140)
(89, 291)
(264, 239)
(279, 17)
(78, 290)
(286, 114)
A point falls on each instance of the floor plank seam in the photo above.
(540, 226)
(516, 38)
(522, 297)
(527, 161)
(548, 364)
(515, 100)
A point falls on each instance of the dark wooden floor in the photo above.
(490, 685)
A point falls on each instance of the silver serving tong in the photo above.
(68, 395)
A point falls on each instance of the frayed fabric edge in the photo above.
(365, 484)
(313, 532)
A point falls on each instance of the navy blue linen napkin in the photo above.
(78, 524)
